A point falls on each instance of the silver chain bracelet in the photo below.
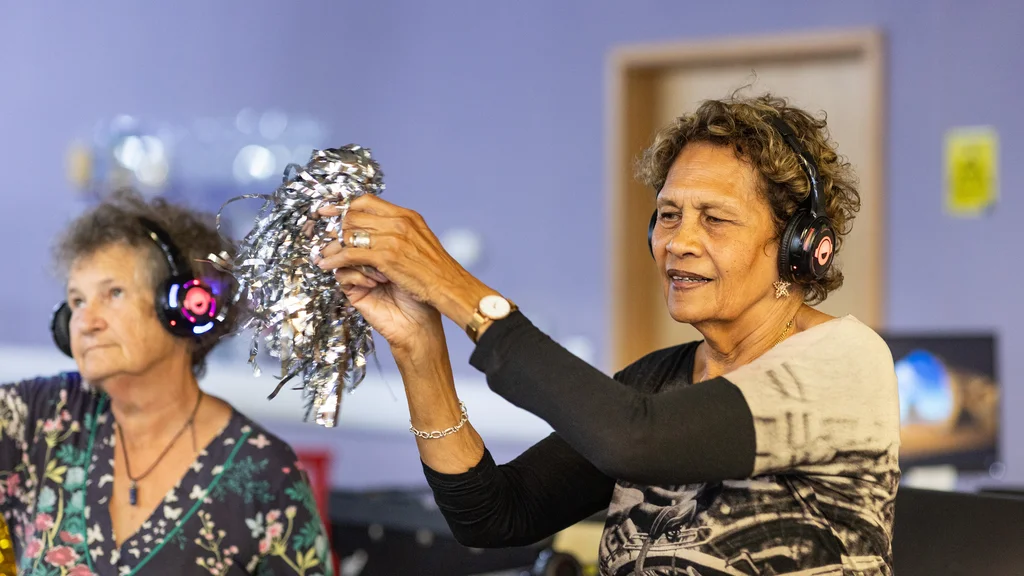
(442, 433)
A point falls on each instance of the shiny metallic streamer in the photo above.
(297, 308)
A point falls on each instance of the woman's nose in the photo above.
(685, 239)
(87, 318)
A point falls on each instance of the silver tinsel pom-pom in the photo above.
(296, 307)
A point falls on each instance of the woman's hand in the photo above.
(408, 264)
(406, 323)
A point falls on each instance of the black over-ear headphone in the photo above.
(808, 242)
(185, 305)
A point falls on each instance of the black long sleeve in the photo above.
(547, 488)
(642, 426)
(682, 435)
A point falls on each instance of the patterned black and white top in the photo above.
(244, 507)
(788, 465)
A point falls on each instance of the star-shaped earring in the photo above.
(781, 289)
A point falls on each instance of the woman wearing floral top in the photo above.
(126, 466)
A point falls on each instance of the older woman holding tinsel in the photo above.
(770, 446)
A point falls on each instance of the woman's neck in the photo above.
(729, 345)
(149, 408)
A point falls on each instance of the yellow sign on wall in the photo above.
(972, 170)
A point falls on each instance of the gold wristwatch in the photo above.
(490, 308)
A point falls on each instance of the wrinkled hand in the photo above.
(400, 318)
(405, 276)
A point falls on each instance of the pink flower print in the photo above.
(35, 546)
(44, 522)
(273, 515)
(80, 570)
(264, 545)
(61, 556)
(12, 484)
(69, 538)
(65, 416)
(286, 469)
(233, 550)
(52, 426)
(275, 530)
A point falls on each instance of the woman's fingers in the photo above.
(375, 205)
(349, 277)
(330, 210)
(307, 228)
(331, 249)
(347, 257)
(368, 204)
(373, 273)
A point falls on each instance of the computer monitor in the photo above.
(950, 399)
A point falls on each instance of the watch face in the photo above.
(494, 307)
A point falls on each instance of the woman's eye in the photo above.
(116, 292)
(668, 216)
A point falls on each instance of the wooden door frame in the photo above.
(632, 71)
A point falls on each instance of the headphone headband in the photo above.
(807, 163)
(176, 263)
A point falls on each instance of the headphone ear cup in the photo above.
(650, 232)
(186, 307)
(822, 248)
(789, 255)
(60, 327)
(808, 248)
(166, 311)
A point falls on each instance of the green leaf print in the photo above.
(75, 503)
(71, 455)
(306, 536)
(74, 524)
(47, 500)
(302, 492)
(241, 479)
(180, 540)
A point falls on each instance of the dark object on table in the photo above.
(954, 534)
(551, 563)
(403, 532)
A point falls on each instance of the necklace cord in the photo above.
(188, 424)
(181, 522)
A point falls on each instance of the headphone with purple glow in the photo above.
(186, 306)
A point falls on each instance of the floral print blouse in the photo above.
(244, 507)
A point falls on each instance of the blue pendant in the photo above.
(133, 494)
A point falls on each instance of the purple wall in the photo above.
(493, 114)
